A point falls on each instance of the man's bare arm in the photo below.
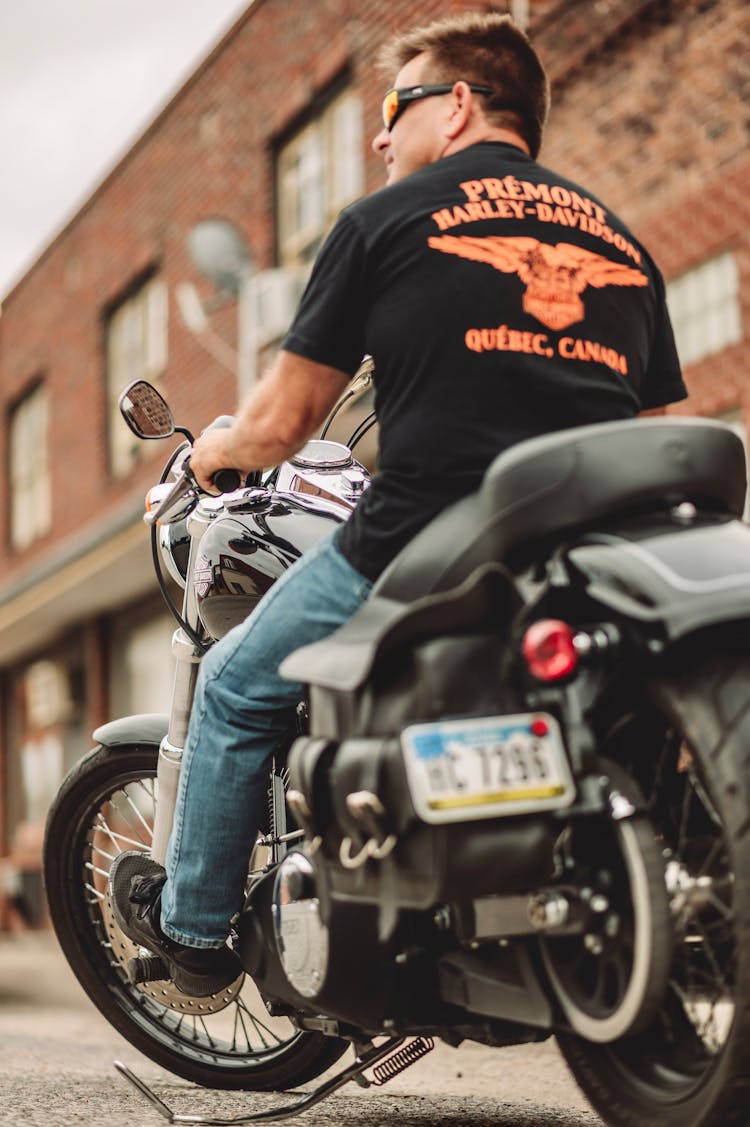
(276, 419)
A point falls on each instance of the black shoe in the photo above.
(135, 885)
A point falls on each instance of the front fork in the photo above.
(187, 654)
(187, 660)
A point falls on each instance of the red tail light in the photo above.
(549, 651)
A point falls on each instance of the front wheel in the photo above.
(691, 757)
(105, 806)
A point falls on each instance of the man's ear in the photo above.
(461, 100)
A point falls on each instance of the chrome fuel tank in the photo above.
(259, 533)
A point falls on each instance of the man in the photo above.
(499, 302)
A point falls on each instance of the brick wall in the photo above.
(657, 122)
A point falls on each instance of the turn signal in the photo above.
(548, 650)
(155, 496)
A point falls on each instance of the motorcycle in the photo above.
(517, 806)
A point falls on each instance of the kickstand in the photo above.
(365, 1059)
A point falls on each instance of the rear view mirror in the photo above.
(146, 412)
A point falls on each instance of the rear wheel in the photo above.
(690, 1066)
(105, 806)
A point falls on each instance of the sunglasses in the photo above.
(396, 101)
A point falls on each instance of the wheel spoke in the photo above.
(258, 1025)
(711, 858)
(209, 1038)
(95, 869)
(117, 838)
(139, 817)
(682, 830)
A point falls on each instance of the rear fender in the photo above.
(147, 729)
(679, 581)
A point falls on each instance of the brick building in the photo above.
(650, 112)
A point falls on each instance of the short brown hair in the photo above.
(488, 49)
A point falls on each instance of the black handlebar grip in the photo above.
(226, 481)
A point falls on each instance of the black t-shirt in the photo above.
(499, 301)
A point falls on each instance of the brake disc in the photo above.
(164, 992)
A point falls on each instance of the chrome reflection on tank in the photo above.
(249, 546)
(174, 546)
(325, 470)
(301, 936)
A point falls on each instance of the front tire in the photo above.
(105, 806)
(690, 1067)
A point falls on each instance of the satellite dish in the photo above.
(218, 249)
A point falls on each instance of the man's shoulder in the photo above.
(405, 198)
(485, 158)
(386, 200)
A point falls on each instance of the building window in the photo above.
(319, 170)
(704, 305)
(733, 418)
(136, 349)
(29, 470)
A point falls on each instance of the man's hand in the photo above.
(213, 451)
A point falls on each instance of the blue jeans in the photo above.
(243, 711)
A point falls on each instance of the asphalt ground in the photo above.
(57, 1053)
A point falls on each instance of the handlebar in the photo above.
(225, 481)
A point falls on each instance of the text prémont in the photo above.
(510, 198)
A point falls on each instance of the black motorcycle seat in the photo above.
(536, 491)
(560, 481)
(344, 660)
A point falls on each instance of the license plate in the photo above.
(460, 770)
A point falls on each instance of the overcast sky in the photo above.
(79, 80)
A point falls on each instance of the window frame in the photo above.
(30, 484)
(312, 153)
(704, 307)
(136, 324)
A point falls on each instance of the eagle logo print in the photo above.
(555, 276)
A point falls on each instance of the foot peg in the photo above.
(146, 968)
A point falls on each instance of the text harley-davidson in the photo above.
(519, 802)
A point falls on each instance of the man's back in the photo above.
(499, 301)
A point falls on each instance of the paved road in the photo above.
(56, 1055)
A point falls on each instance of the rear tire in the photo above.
(105, 806)
(690, 1067)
